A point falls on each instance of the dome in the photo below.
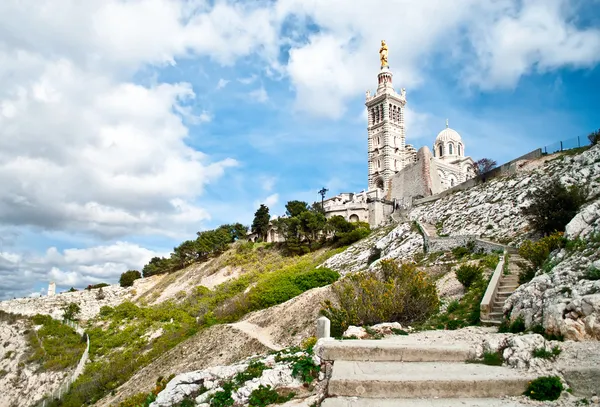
(448, 144)
(448, 134)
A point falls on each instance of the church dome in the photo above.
(448, 143)
(447, 135)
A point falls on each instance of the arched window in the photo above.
(378, 164)
(395, 164)
(460, 152)
(450, 149)
(441, 151)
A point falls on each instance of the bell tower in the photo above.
(386, 133)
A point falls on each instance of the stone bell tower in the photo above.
(387, 137)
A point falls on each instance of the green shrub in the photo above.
(517, 326)
(454, 324)
(492, 358)
(128, 277)
(592, 274)
(305, 369)
(265, 395)
(95, 286)
(253, 371)
(542, 353)
(546, 388)
(403, 294)
(55, 346)
(453, 306)
(553, 206)
(467, 274)
(537, 254)
(279, 287)
(223, 397)
(490, 261)
(70, 311)
(460, 252)
(357, 234)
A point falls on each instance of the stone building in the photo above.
(397, 173)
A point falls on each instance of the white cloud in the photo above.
(222, 83)
(260, 95)
(538, 36)
(247, 80)
(71, 267)
(267, 183)
(492, 44)
(271, 200)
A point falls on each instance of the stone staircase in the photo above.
(507, 285)
(404, 372)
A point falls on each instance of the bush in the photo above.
(128, 277)
(592, 274)
(95, 286)
(402, 294)
(460, 252)
(537, 254)
(280, 287)
(553, 206)
(357, 234)
(265, 395)
(542, 353)
(468, 274)
(544, 388)
(70, 311)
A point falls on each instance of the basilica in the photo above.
(397, 172)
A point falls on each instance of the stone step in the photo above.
(454, 402)
(424, 380)
(505, 292)
(496, 315)
(399, 350)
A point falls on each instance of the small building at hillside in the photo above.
(397, 173)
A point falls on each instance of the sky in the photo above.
(128, 126)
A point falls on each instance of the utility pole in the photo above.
(322, 192)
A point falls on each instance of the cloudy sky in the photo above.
(127, 126)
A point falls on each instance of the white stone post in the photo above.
(323, 328)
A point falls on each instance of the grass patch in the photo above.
(542, 353)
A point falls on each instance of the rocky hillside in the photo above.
(493, 209)
(23, 379)
(208, 314)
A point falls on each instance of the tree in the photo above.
(594, 137)
(260, 224)
(128, 277)
(295, 208)
(553, 206)
(157, 265)
(70, 311)
(484, 165)
(237, 231)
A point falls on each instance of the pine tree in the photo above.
(260, 225)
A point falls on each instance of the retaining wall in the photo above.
(508, 168)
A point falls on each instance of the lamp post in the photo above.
(322, 192)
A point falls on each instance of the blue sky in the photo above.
(128, 126)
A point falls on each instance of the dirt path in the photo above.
(263, 335)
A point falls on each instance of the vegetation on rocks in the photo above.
(553, 206)
(55, 346)
(396, 293)
(468, 274)
(121, 337)
(546, 388)
(537, 253)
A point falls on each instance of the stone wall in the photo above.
(508, 168)
(418, 179)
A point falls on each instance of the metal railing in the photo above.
(575, 142)
(68, 382)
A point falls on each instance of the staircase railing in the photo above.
(492, 290)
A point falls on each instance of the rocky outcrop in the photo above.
(493, 209)
(202, 385)
(566, 300)
(399, 243)
(22, 383)
(89, 301)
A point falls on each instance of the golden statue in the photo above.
(383, 54)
